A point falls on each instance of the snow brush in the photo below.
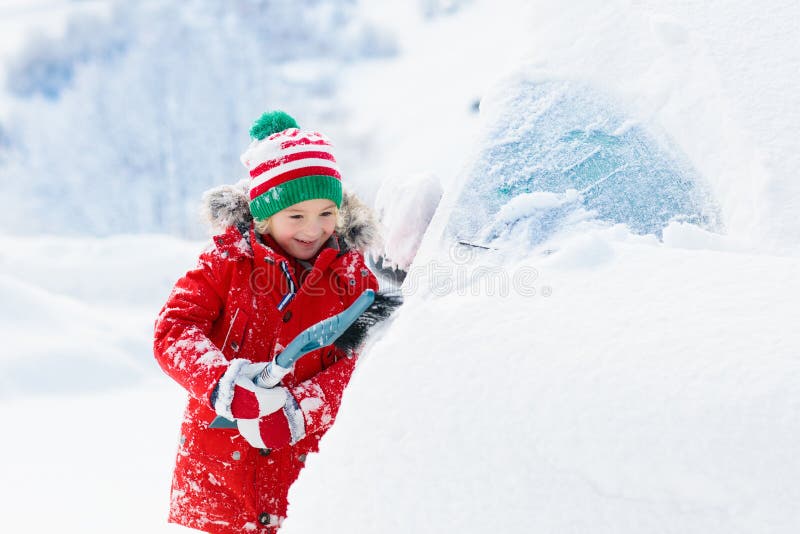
(315, 336)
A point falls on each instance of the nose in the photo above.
(312, 228)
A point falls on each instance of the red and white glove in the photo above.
(266, 417)
(284, 426)
(237, 397)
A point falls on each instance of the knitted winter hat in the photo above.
(288, 165)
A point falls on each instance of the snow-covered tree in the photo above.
(119, 125)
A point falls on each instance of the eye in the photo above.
(326, 213)
(296, 217)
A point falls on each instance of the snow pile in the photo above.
(622, 386)
(80, 392)
(91, 462)
(79, 313)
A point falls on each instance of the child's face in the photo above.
(302, 229)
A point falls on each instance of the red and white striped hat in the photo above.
(288, 165)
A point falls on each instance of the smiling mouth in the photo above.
(305, 242)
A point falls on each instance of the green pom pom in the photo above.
(270, 123)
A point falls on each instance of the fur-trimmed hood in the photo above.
(228, 205)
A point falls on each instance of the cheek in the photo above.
(281, 233)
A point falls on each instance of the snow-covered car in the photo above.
(566, 359)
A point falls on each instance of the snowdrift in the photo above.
(78, 313)
(629, 387)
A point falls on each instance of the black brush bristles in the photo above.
(385, 304)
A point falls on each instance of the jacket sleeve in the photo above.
(319, 397)
(182, 346)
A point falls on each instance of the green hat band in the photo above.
(287, 194)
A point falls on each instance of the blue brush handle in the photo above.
(324, 332)
(316, 336)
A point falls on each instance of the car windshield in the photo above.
(560, 151)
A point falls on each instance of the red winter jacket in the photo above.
(238, 303)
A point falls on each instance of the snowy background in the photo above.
(597, 378)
